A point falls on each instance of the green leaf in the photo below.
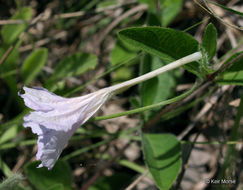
(11, 32)
(72, 65)
(122, 74)
(162, 154)
(132, 165)
(168, 44)
(11, 62)
(9, 134)
(33, 65)
(153, 19)
(134, 101)
(116, 181)
(151, 4)
(122, 52)
(210, 40)
(170, 8)
(4, 168)
(166, 12)
(156, 89)
(234, 74)
(56, 187)
(43, 179)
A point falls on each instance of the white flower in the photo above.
(55, 119)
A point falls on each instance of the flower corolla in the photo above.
(55, 119)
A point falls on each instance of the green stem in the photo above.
(175, 64)
(145, 108)
(85, 149)
(214, 142)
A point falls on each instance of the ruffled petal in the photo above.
(50, 143)
(56, 119)
(65, 113)
(40, 99)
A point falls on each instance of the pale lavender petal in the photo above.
(50, 144)
(69, 112)
(40, 99)
(55, 119)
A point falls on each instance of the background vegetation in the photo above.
(76, 47)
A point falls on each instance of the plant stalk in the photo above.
(188, 59)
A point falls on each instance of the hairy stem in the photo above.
(188, 59)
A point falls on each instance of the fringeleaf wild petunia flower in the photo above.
(55, 119)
